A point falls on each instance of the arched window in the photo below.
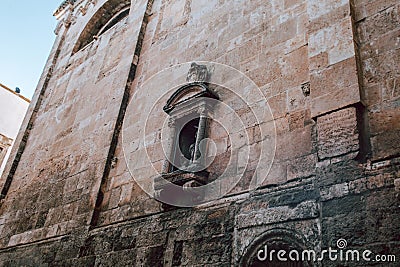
(107, 16)
(114, 20)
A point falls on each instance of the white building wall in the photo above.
(12, 112)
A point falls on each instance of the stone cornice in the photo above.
(68, 11)
(72, 5)
(63, 6)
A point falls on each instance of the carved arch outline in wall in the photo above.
(105, 18)
(278, 238)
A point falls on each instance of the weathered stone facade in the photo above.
(72, 193)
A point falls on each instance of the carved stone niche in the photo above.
(185, 167)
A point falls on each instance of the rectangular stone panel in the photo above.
(305, 210)
(337, 133)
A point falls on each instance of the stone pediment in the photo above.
(186, 93)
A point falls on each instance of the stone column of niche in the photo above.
(170, 146)
(201, 133)
(199, 176)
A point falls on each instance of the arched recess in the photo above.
(107, 16)
(275, 239)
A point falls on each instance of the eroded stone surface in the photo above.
(337, 133)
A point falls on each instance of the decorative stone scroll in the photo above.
(198, 73)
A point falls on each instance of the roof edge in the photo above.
(62, 7)
(13, 92)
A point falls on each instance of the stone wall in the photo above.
(328, 70)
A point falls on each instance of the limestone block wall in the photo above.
(377, 32)
(283, 47)
(328, 70)
(70, 135)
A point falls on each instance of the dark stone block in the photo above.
(155, 256)
(85, 262)
(339, 173)
(121, 258)
(41, 219)
(24, 224)
(346, 205)
(177, 258)
(123, 243)
(88, 248)
(293, 198)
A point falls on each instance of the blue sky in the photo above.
(26, 37)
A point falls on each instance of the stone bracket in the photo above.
(178, 186)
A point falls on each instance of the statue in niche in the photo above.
(187, 142)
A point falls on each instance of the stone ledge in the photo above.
(305, 210)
